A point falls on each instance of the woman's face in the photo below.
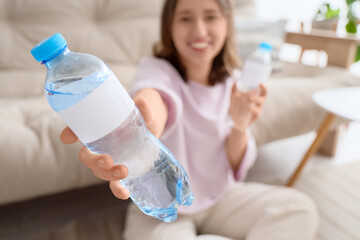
(199, 31)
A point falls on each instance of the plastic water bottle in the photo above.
(83, 90)
(256, 68)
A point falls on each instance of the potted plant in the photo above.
(326, 17)
(353, 21)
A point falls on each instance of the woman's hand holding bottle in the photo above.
(102, 165)
(246, 107)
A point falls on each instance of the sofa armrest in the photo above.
(289, 109)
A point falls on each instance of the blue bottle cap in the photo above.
(265, 46)
(49, 47)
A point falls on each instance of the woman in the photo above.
(185, 93)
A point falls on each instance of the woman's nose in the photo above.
(199, 28)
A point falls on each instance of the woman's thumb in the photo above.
(67, 136)
(234, 88)
(144, 109)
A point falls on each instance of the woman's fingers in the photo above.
(146, 114)
(116, 173)
(102, 165)
(258, 100)
(263, 90)
(256, 112)
(234, 89)
(145, 111)
(259, 96)
(119, 190)
(95, 161)
(67, 136)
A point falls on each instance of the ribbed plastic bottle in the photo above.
(83, 90)
(256, 68)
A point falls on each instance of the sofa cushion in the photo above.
(33, 160)
(22, 83)
(115, 31)
(244, 8)
(119, 32)
(251, 32)
(16, 83)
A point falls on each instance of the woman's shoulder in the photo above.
(156, 64)
(151, 60)
(153, 71)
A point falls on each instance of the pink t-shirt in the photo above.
(196, 130)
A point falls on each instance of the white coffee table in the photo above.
(344, 102)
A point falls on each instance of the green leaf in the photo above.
(351, 26)
(348, 2)
(332, 13)
(357, 56)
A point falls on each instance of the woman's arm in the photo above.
(153, 109)
(235, 147)
(245, 108)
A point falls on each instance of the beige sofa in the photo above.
(33, 160)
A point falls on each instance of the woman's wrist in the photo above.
(240, 128)
(236, 147)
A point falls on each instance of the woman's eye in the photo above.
(184, 19)
(211, 17)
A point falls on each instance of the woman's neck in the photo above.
(199, 73)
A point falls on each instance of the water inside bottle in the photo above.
(157, 183)
(64, 93)
(162, 190)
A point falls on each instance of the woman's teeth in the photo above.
(200, 45)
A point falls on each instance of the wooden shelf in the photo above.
(341, 50)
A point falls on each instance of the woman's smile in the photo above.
(199, 45)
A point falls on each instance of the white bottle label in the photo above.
(253, 74)
(99, 113)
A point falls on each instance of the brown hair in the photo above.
(223, 63)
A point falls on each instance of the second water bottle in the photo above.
(256, 68)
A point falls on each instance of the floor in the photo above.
(336, 190)
(333, 182)
(91, 213)
(282, 156)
